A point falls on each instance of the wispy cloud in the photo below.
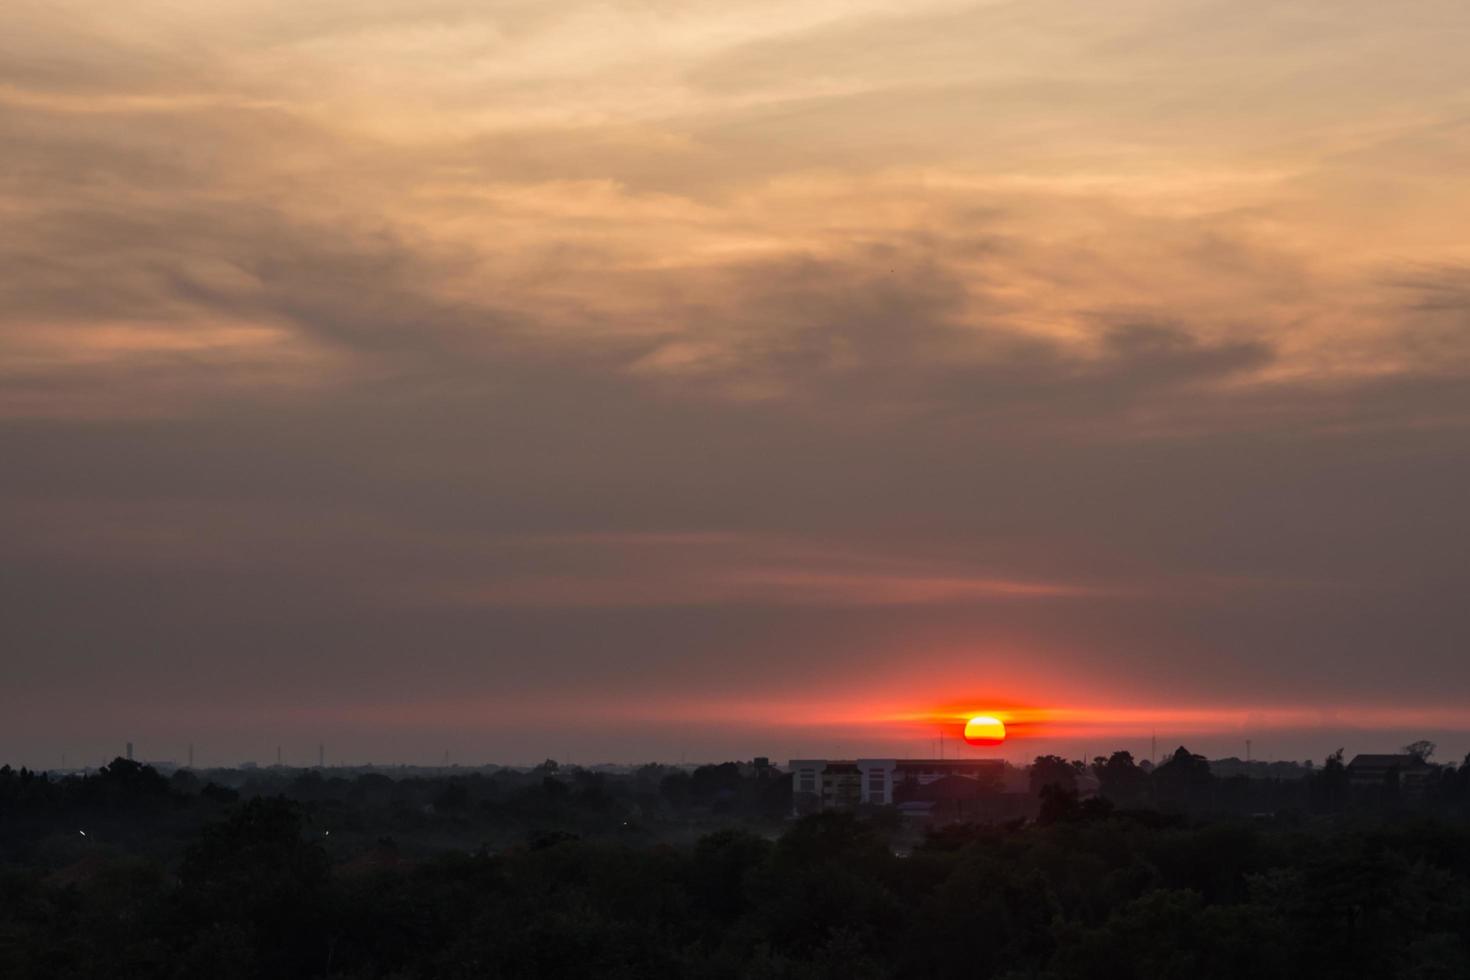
(663, 338)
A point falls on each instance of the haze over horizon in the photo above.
(622, 380)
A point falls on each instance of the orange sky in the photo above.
(420, 365)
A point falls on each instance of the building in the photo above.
(842, 784)
(1400, 774)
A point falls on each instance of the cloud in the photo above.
(416, 349)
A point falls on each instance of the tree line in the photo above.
(181, 877)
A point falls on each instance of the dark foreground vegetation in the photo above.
(660, 873)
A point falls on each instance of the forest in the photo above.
(667, 872)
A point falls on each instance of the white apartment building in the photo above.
(822, 784)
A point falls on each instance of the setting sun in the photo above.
(985, 730)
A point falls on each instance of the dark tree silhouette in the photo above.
(1184, 780)
(1329, 785)
(1120, 779)
(1052, 770)
(1421, 749)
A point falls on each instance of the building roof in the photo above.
(930, 765)
(1390, 761)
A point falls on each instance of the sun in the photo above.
(985, 730)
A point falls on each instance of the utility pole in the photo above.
(1247, 750)
(278, 755)
(130, 751)
(321, 756)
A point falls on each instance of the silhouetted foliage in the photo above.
(1329, 791)
(1120, 780)
(662, 872)
(1421, 749)
(1184, 781)
(1053, 770)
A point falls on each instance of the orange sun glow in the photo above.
(985, 730)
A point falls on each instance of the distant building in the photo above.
(760, 768)
(1406, 774)
(914, 785)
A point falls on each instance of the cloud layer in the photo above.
(621, 358)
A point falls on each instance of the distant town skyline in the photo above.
(1293, 745)
(642, 379)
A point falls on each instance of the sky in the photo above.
(672, 379)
